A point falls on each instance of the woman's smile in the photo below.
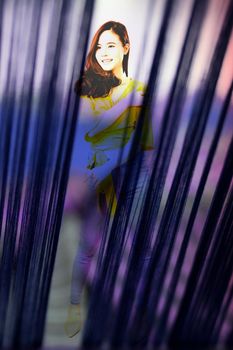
(107, 60)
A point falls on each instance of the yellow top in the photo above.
(114, 132)
(117, 132)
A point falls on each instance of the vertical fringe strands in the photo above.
(219, 198)
(38, 115)
(180, 186)
(221, 273)
(106, 276)
(162, 325)
(149, 212)
(138, 320)
(35, 163)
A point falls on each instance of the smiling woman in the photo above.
(109, 111)
(107, 61)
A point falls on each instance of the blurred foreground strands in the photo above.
(165, 266)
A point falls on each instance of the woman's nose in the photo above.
(104, 51)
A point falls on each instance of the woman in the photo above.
(109, 111)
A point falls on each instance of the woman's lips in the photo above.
(107, 60)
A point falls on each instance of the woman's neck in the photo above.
(120, 75)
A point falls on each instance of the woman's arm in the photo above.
(106, 118)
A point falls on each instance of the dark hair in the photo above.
(95, 81)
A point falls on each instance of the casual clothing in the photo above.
(105, 131)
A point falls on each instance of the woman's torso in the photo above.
(105, 129)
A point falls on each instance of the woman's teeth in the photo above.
(107, 60)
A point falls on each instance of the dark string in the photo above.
(180, 188)
(179, 333)
(16, 175)
(183, 176)
(175, 101)
(103, 288)
(25, 279)
(180, 260)
(216, 207)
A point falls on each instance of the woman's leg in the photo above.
(86, 250)
(89, 240)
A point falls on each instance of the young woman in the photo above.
(109, 111)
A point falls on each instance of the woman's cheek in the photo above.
(97, 56)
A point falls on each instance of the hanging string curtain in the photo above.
(41, 57)
(137, 320)
(164, 297)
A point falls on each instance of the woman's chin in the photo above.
(107, 68)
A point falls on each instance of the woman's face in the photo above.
(110, 51)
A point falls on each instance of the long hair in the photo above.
(96, 82)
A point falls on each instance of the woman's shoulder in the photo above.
(138, 86)
(87, 106)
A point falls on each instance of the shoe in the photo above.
(73, 323)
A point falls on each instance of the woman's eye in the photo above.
(111, 46)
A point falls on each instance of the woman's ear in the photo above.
(126, 49)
